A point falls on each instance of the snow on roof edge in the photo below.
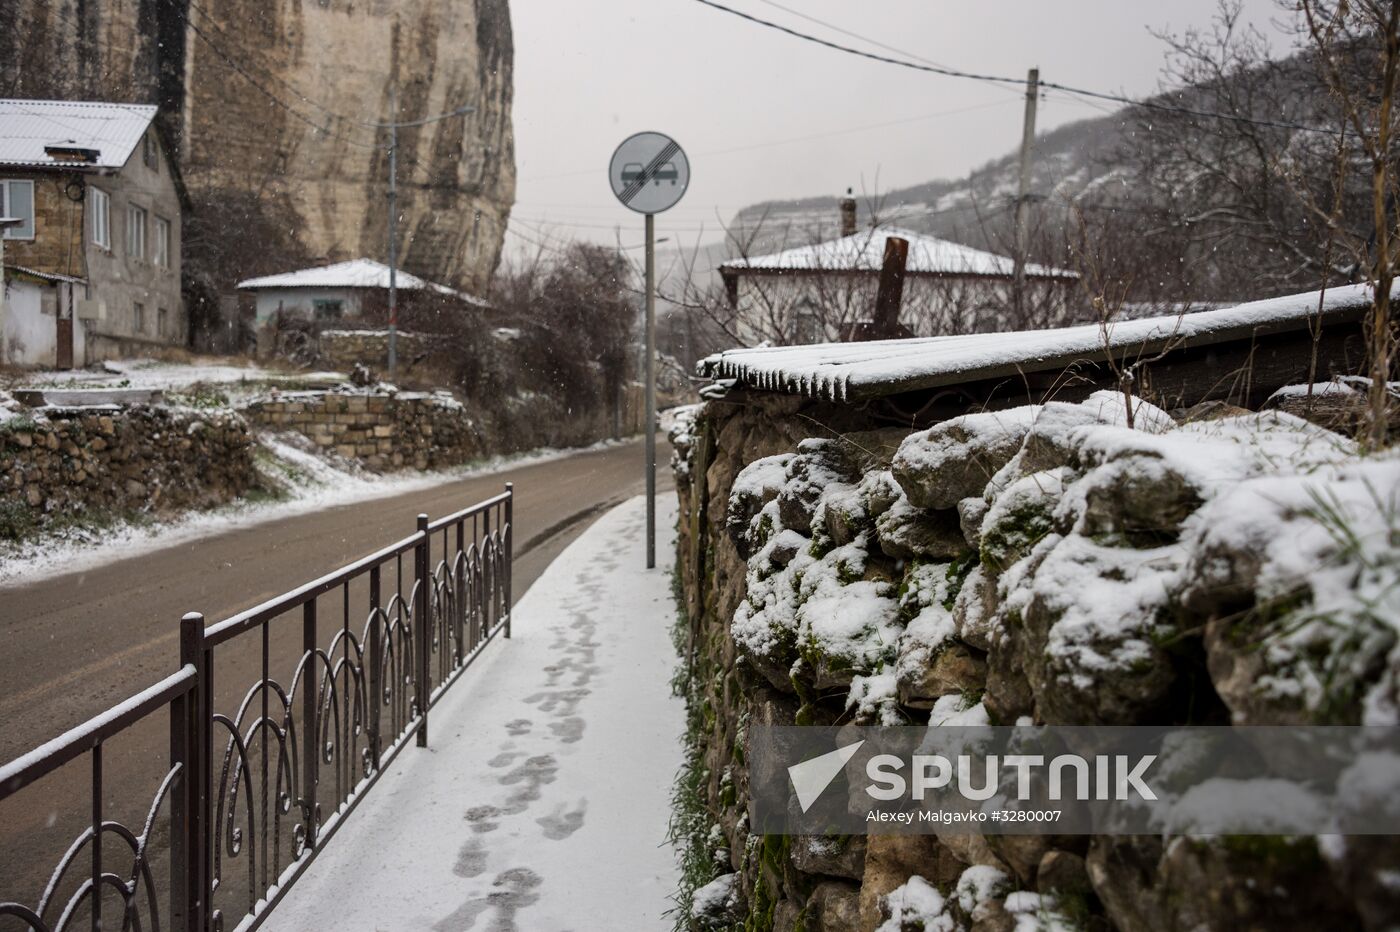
(841, 371)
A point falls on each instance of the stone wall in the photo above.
(344, 349)
(63, 462)
(958, 534)
(383, 430)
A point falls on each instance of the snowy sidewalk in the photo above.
(543, 801)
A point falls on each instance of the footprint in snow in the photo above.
(560, 824)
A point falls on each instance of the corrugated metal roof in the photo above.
(865, 252)
(28, 126)
(45, 276)
(849, 371)
(356, 273)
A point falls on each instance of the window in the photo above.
(162, 322)
(138, 318)
(136, 232)
(162, 243)
(100, 209)
(150, 154)
(17, 200)
(325, 309)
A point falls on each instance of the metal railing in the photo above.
(259, 780)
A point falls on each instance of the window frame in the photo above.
(138, 318)
(133, 211)
(160, 248)
(150, 153)
(18, 232)
(97, 196)
(327, 310)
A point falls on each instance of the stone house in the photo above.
(340, 312)
(93, 269)
(818, 293)
(345, 293)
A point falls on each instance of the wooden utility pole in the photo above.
(1023, 193)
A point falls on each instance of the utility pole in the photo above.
(393, 229)
(393, 127)
(1023, 194)
(651, 390)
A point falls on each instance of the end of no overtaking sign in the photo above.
(649, 172)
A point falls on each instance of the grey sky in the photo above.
(590, 72)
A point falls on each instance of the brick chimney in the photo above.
(848, 214)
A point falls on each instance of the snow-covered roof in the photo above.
(841, 371)
(356, 273)
(865, 252)
(28, 127)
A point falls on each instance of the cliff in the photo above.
(265, 104)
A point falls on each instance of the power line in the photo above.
(997, 79)
(811, 137)
(856, 35)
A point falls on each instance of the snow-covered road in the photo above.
(543, 800)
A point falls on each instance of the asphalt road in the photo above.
(72, 645)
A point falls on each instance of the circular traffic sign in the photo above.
(649, 173)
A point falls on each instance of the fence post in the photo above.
(510, 550)
(310, 709)
(376, 664)
(190, 746)
(459, 602)
(421, 689)
(488, 580)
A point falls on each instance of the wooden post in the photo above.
(891, 294)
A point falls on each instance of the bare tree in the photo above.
(1349, 35)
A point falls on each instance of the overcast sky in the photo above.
(745, 101)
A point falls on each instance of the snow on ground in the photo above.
(313, 483)
(543, 799)
(172, 376)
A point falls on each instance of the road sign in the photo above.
(649, 173)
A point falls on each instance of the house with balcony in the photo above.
(92, 267)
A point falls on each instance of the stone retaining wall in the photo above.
(958, 538)
(149, 458)
(383, 430)
(344, 349)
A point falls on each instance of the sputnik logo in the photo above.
(811, 777)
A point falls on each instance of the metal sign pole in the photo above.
(651, 390)
(649, 173)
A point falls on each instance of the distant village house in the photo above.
(92, 268)
(821, 292)
(344, 308)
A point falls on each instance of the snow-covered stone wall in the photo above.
(385, 430)
(102, 462)
(1098, 562)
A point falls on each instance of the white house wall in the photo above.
(31, 336)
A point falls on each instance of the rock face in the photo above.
(304, 161)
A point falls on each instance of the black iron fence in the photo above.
(259, 778)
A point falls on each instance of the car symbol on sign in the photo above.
(633, 172)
